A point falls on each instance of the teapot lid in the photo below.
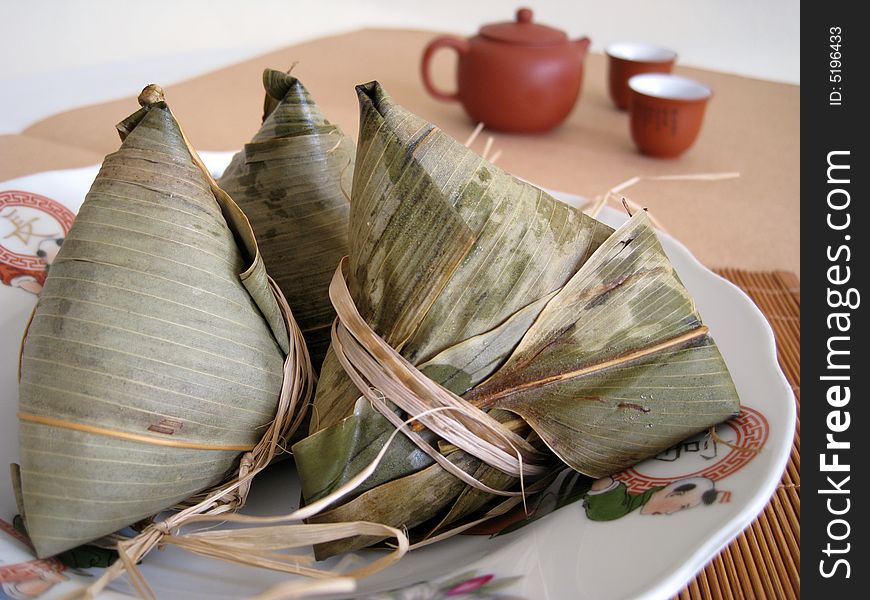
(524, 32)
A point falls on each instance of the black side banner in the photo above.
(835, 361)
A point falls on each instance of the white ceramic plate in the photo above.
(564, 555)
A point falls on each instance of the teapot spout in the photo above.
(582, 46)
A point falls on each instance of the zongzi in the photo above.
(580, 338)
(155, 353)
(292, 181)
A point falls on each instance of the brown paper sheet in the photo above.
(751, 126)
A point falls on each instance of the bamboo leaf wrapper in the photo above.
(155, 353)
(292, 181)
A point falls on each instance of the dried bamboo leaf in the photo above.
(464, 365)
(618, 365)
(152, 359)
(292, 181)
(566, 487)
(410, 501)
(362, 434)
(471, 499)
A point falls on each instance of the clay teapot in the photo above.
(516, 76)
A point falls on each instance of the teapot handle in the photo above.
(458, 44)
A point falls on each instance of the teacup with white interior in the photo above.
(666, 112)
(627, 59)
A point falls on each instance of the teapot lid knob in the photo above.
(524, 32)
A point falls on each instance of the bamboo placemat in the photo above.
(764, 560)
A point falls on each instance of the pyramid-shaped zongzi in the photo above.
(292, 180)
(155, 354)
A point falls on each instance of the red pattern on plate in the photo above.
(31, 569)
(751, 430)
(15, 263)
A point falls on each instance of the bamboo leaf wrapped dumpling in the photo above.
(292, 181)
(155, 354)
(518, 303)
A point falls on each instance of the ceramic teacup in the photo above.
(627, 59)
(666, 113)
